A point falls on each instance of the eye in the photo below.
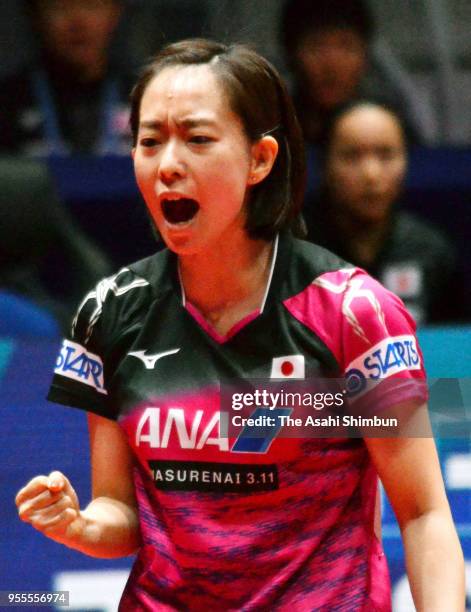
(350, 155)
(386, 154)
(199, 139)
(149, 142)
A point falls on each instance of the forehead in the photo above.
(366, 125)
(184, 89)
(332, 36)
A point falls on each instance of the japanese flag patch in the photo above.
(289, 366)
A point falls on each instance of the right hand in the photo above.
(51, 505)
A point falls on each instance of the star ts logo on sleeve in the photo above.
(78, 364)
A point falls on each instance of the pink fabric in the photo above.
(351, 313)
(220, 339)
(312, 536)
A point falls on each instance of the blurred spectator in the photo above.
(356, 214)
(74, 98)
(44, 257)
(327, 45)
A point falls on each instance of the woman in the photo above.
(357, 214)
(223, 523)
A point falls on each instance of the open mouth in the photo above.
(180, 210)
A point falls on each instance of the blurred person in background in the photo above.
(46, 259)
(356, 214)
(327, 45)
(74, 98)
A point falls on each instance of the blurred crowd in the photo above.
(67, 96)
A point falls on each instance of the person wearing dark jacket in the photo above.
(73, 99)
(357, 214)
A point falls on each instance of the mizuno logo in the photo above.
(150, 360)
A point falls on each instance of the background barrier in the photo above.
(102, 195)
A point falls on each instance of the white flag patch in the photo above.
(289, 366)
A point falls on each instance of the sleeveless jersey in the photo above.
(287, 525)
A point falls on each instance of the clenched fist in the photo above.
(51, 505)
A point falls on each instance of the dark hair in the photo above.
(300, 17)
(32, 5)
(330, 125)
(260, 99)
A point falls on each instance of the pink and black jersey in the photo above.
(230, 523)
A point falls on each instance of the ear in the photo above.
(133, 152)
(264, 153)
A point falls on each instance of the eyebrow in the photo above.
(189, 123)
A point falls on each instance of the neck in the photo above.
(93, 72)
(79, 73)
(231, 275)
(364, 239)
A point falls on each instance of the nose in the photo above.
(371, 169)
(171, 163)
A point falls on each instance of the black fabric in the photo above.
(140, 309)
(412, 246)
(78, 108)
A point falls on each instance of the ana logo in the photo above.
(176, 427)
(388, 357)
(157, 429)
(150, 360)
(76, 363)
(290, 366)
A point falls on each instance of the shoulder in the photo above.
(369, 311)
(340, 291)
(419, 232)
(16, 88)
(121, 300)
(308, 261)
(20, 77)
(418, 242)
(351, 312)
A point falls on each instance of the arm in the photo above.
(111, 519)
(410, 472)
(108, 527)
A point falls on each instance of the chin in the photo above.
(373, 219)
(181, 244)
(373, 212)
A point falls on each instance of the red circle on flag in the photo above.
(287, 368)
